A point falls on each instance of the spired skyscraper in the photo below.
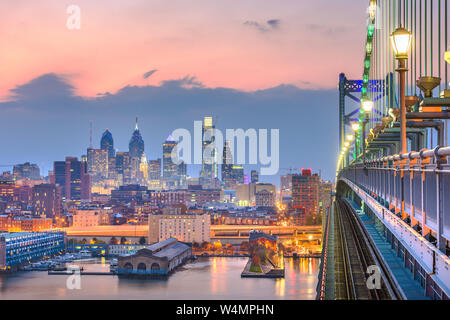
(136, 145)
(107, 143)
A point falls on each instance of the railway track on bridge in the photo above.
(354, 254)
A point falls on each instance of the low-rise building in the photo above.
(19, 248)
(189, 227)
(158, 259)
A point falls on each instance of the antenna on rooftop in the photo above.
(90, 134)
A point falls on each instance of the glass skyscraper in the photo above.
(136, 145)
(107, 143)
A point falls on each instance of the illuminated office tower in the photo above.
(123, 163)
(170, 169)
(209, 170)
(254, 176)
(107, 143)
(97, 161)
(227, 164)
(73, 178)
(154, 169)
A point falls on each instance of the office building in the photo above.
(107, 143)
(72, 176)
(305, 192)
(27, 171)
(47, 200)
(97, 160)
(189, 227)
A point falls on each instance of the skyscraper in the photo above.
(123, 165)
(72, 176)
(254, 176)
(136, 145)
(107, 143)
(169, 168)
(97, 160)
(227, 164)
(154, 169)
(209, 171)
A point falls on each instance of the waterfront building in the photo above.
(305, 192)
(158, 259)
(27, 171)
(107, 143)
(19, 224)
(47, 200)
(19, 248)
(85, 218)
(189, 227)
(136, 145)
(124, 249)
(72, 176)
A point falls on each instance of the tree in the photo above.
(123, 240)
(244, 246)
(113, 240)
(142, 240)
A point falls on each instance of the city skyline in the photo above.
(266, 60)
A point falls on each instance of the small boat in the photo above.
(85, 254)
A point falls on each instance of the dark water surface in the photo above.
(205, 279)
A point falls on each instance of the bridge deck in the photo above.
(404, 278)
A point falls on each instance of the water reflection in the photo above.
(206, 278)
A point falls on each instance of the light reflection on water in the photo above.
(205, 279)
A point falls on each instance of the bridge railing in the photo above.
(415, 186)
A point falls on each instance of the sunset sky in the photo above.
(245, 46)
(222, 43)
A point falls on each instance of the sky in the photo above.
(249, 63)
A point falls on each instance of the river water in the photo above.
(204, 279)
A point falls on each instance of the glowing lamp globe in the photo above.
(401, 42)
(367, 105)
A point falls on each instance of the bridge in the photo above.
(387, 233)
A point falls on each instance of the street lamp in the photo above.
(372, 9)
(401, 42)
(447, 56)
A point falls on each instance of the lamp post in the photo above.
(367, 106)
(355, 128)
(372, 9)
(401, 42)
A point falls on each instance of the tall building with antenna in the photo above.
(209, 172)
(136, 145)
